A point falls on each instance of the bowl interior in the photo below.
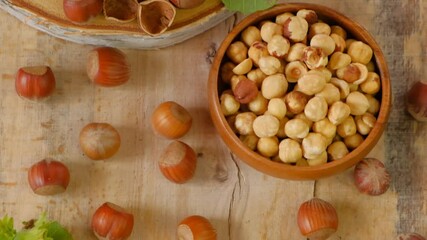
(281, 170)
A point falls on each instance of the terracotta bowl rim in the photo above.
(282, 170)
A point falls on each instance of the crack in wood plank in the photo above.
(237, 194)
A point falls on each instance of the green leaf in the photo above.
(44, 230)
(7, 232)
(248, 6)
(57, 232)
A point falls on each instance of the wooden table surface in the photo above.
(241, 203)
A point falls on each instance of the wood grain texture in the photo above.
(242, 203)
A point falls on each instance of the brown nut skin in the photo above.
(355, 73)
(245, 91)
(416, 101)
(309, 15)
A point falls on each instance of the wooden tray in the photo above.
(48, 16)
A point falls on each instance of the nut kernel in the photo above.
(340, 44)
(347, 127)
(337, 150)
(266, 126)
(250, 35)
(244, 122)
(269, 29)
(342, 86)
(311, 83)
(374, 104)
(319, 28)
(281, 19)
(244, 67)
(339, 60)
(256, 51)
(338, 30)
(295, 28)
(372, 84)
(314, 57)
(296, 52)
(353, 141)
(318, 159)
(330, 93)
(302, 116)
(296, 129)
(360, 52)
(250, 141)
(295, 102)
(229, 105)
(268, 146)
(281, 133)
(269, 65)
(324, 42)
(278, 46)
(326, 128)
(358, 103)
(237, 52)
(258, 105)
(290, 151)
(313, 145)
(316, 109)
(294, 70)
(355, 73)
(274, 86)
(257, 76)
(277, 108)
(338, 112)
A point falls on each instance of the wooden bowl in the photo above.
(282, 170)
